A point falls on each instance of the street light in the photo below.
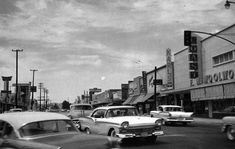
(227, 4)
(33, 88)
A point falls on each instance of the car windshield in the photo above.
(47, 127)
(81, 107)
(122, 112)
(174, 109)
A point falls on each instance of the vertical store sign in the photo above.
(144, 76)
(169, 69)
(195, 60)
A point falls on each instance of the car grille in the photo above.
(140, 130)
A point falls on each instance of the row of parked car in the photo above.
(111, 126)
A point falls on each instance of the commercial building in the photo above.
(201, 78)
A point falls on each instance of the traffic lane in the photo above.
(193, 136)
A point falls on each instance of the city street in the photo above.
(200, 135)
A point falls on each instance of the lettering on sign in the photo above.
(220, 76)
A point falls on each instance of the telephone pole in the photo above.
(16, 96)
(33, 88)
(155, 87)
(40, 97)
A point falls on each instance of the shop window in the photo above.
(223, 58)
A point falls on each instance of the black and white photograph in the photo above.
(117, 74)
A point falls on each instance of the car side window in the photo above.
(160, 108)
(98, 114)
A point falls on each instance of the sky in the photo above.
(80, 44)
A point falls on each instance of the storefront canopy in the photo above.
(128, 101)
(138, 99)
(146, 97)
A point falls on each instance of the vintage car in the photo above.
(46, 130)
(228, 111)
(79, 110)
(228, 127)
(14, 110)
(171, 114)
(122, 122)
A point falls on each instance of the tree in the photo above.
(65, 105)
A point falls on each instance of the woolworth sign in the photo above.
(220, 76)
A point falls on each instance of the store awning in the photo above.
(128, 100)
(138, 99)
(146, 97)
(214, 92)
(197, 94)
(229, 90)
(207, 93)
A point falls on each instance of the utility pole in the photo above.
(16, 96)
(155, 87)
(33, 88)
(44, 94)
(40, 97)
(46, 97)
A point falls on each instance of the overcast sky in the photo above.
(82, 44)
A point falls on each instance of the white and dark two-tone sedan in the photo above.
(122, 122)
(171, 114)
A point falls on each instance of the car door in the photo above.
(96, 122)
(164, 113)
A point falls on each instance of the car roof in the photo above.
(16, 109)
(164, 106)
(114, 107)
(17, 119)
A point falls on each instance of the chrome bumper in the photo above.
(179, 120)
(131, 135)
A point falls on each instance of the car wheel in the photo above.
(230, 133)
(151, 139)
(87, 130)
(113, 133)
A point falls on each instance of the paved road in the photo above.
(200, 135)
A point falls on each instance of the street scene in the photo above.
(138, 74)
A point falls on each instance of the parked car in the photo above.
(229, 127)
(172, 114)
(46, 130)
(14, 110)
(122, 122)
(79, 110)
(228, 111)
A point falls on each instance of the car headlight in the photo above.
(158, 122)
(125, 124)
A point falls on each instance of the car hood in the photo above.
(133, 120)
(74, 141)
(181, 114)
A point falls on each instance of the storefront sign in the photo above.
(169, 68)
(220, 76)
